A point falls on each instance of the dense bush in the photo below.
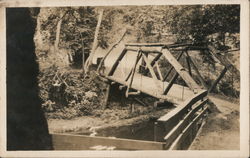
(67, 93)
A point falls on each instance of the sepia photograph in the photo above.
(151, 77)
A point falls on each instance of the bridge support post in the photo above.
(132, 107)
(106, 99)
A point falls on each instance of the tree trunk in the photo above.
(38, 32)
(58, 30)
(90, 58)
(83, 59)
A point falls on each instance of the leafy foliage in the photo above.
(196, 22)
(67, 94)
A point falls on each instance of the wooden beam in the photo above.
(197, 71)
(140, 101)
(176, 131)
(189, 66)
(221, 59)
(147, 44)
(173, 99)
(171, 83)
(133, 71)
(106, 96)
(114, 45)
(168, 45)
(159, 71)
(218, 79)
(144, 49)
(224, 61)
(169, 71)
(112, 70)
(154, 61)
(187, 136)
(189, 48)
(172, 118)
(82, 142)
(151, 70)
(182, 72)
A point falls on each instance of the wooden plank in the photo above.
(81, 142)
(218, 79)
(182, 72)
(172, 118)
(171, 83)
(169, 71)
(146, 85)
(174, 133)
(186, 138)
(112, 70)
(151, 70)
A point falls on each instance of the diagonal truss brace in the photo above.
(181, 71)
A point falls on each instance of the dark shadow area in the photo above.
(27, 127)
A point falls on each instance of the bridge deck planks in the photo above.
(147, 85)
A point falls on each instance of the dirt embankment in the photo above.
(221, 130)
(110, 118)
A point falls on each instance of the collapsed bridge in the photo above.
(137, 68)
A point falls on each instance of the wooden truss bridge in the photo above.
(136, 68)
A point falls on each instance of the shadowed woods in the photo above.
(26, 125)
